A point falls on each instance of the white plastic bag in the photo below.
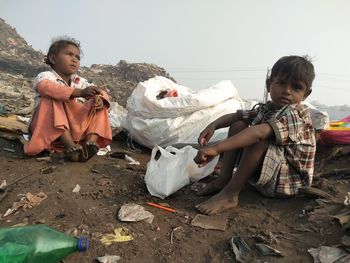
(171, 169)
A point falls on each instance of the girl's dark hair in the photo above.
(59, 43)
(294, 69)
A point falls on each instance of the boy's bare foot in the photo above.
(225, 200)
(215, 186)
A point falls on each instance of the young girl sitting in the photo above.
(69, 113)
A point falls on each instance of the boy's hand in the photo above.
(204, 156)
(205, 135)
(90, 91)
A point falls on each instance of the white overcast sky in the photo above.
(200, 42)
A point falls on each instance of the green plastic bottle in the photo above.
(37, 244)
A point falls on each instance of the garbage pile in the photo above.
(20, 63)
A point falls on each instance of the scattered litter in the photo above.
(44, 159)
(104, 151)
(76, 189)
(240, 248)
(173, 233)
(161, 207)
(347, 199)
(23, 119)
(209, 222)
(3, 111)
(120, 235)
(123, 155)
(134, 213)
(324, 254)
(26, 202)
(104, 181)
(119, 155)
(26, 136)
(131, 160)
(3, 185)
(47, 169)
(344, 219)
(9, 150)
(312, 191)
(108, 259)
(346, 241)
(197, 186)
(266, 250)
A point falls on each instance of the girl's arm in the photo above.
(50, 89)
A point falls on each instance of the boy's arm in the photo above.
(246, 137)
(223, 121)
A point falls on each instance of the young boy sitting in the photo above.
(273, 144)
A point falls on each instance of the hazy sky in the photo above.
(200, 42)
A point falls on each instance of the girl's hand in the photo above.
(98, 102)
(206, 134)
(205, 155)
(90, 91)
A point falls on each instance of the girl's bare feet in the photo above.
(72, 151)
(91, 147)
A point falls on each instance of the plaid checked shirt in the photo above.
(295, 142)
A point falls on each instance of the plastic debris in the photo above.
(76, 189)
(47, 169)
(104, 151)
(134, 213)
(240, 248)
(108, 259)
(42, 159)
(344, 218)
(120, 235)
(131, 160)
(347, 199)
(266, 250)
(9, 150)
(324, 254)
(209, 222)
(27, 201)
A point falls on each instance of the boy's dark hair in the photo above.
(59, 43)
(294, 69)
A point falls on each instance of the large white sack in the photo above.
(184, 129)
(143, 102)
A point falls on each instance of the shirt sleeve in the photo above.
(287, 125)
(53, 90)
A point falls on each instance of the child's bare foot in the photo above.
(215, 186)
(224, 200)
(73, 152)
(90, 148)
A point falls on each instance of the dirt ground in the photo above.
(289, 225)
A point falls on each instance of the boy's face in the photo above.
(67, 61)
(284, 92)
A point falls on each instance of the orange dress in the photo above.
(55, 112)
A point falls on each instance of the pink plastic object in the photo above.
(172, 93)
(336, 136)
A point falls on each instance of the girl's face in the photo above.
(66, 62)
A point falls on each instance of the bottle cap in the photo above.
(83, 244)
